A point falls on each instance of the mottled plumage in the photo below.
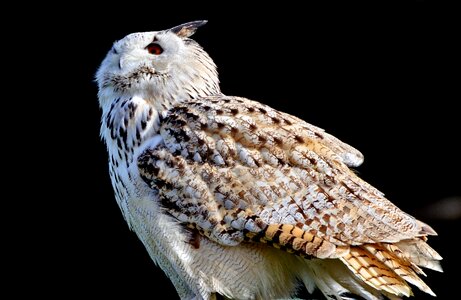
(233, 197)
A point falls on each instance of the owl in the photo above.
(234, 199)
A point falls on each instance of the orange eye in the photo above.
(154, 48)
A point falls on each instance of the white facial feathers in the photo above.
(165, 66)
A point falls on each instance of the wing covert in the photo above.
(231, 165)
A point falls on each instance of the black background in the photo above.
(380, 78)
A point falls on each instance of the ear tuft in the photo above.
(187, 29)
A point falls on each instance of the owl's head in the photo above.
(161, 66)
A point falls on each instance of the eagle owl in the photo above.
(234, 199)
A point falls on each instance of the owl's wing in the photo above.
(238, 170)
(346, 153)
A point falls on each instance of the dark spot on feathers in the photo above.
(230, 231)
(143, 124)
(262, 110)
(219, 112)
(220, 125)
(278, 141)
(236, 212)
(165, 201)
(330, 198)
(153, 169)
(180, 109)
(203, 126)
(123, 134)
(318, 135)
(262, 139)
(191, 116)
(299, 139)
(180, 122)
(206, 108)
(275, 238)
(288, 122)
(253, 127)
(234, 111)
(163, 185)
(251, 109)
(132, 108)
(107, 119)
(213, 221)
(185, 137)
(289, 243)
(194, 239)
(341, 226)
(276, 120)
(312, 160)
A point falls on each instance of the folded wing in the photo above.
(237, 170)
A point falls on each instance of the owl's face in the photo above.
(157, 51)
(159, 65)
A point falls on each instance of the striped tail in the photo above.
(388, 267)
(380, 268)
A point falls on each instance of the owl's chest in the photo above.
(128, 123)
(127, 126)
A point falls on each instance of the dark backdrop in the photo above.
(380, 78)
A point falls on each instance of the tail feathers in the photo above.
(382, 271)
(335, 281)
(374, 272)
(420, 253)
(402, 268)
(328, 286)
(388, 267)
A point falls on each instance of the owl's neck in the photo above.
(181, 86)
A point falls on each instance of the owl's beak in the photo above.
(187, 29)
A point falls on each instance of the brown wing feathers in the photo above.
(238, 170)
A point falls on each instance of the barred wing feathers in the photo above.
(239, 171)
